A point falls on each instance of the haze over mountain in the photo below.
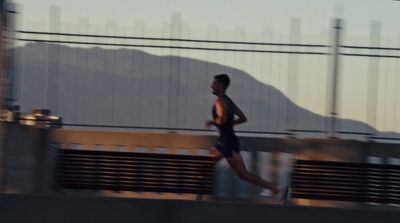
(128, 87)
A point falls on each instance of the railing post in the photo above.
(53, 70)
(373, 77)
(293, 77)
(335, 73)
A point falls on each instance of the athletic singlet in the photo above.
(226, 129)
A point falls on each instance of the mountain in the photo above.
(129, 87)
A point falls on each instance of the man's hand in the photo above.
(209, 123)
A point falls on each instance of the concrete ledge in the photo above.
(60, 209)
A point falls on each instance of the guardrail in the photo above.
(30, 157)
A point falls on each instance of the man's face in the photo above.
(217, 87)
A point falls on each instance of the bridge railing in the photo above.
(30, 157)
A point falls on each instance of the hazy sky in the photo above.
(252, 14)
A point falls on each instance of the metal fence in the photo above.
(140, 77)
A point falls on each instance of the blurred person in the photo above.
(224, 111)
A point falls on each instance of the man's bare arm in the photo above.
(241, 116)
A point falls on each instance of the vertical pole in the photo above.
(335, 74)
(373, 77)
(174, 72)
(53, 73)
(10, 95)
(293, 76)
(3, 87)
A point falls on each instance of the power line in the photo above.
(170, 39)
(171, 47)
(369, 48)
(368, 55)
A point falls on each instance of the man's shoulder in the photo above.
(228, 100)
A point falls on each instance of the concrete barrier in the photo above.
(29, 155)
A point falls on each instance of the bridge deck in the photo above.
(50, 209)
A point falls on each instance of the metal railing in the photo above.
(287, 118)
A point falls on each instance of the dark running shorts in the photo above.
(227, 145)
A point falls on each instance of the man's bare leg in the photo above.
(216, 154)
(237, 164)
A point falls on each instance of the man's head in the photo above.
(220, 83)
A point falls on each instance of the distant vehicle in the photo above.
(41, 118)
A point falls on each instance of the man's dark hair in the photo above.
(223, 79)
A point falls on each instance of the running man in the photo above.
(223, 113)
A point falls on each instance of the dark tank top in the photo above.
(226, 129)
